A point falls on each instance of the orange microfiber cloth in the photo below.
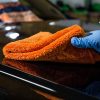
(45, 46)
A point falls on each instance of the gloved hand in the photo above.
(91, 40)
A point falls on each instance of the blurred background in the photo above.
(36, 10)
(32, 16)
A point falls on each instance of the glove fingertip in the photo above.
(74, 41)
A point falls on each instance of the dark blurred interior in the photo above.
(87, 10)
(57, 12)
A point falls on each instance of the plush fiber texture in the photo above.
(56, 47)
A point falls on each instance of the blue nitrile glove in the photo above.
(91, 40)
